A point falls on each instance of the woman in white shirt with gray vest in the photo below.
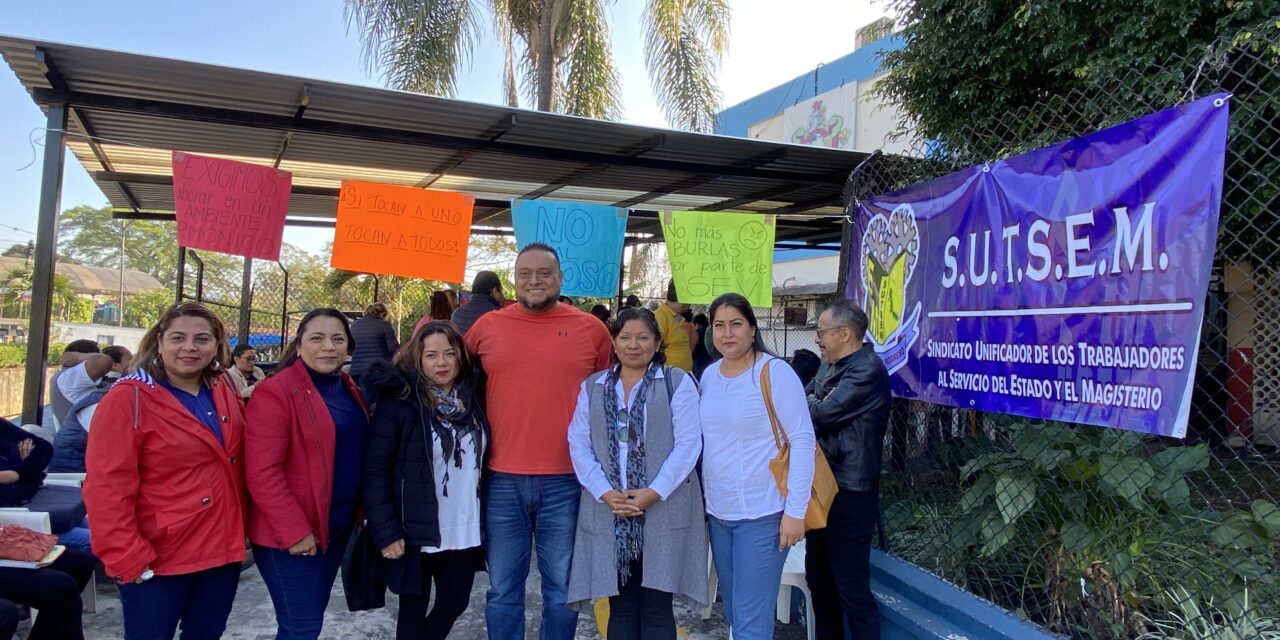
(634, 441)
(752, 525)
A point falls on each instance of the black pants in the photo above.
(837, 567)
(54, 592)
(640, 613)
(453, 573)
(8, 619)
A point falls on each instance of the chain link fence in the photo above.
(1104, 533)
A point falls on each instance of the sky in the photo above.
(771, 43)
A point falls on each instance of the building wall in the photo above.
(818, 270)
(863, 64)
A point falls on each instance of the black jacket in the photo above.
(30, 469)
(398, 483)
(467, 314)
(849, 401)
(375, 340)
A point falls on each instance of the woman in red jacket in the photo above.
(304, 443)
(165, 483)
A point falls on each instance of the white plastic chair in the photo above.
(39, 521)
(793, 576)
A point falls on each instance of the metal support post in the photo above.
(33, 390)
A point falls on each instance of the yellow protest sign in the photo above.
(715, 252)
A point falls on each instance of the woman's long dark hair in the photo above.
(441, 308)
(409, 358)
(290, 354)
(737, 301)
(651, 322)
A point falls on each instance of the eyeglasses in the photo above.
(820, 332)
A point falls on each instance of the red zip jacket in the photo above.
(289, 459)
(160, 489)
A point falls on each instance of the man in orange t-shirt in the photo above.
(536, 355)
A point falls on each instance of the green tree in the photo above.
(1030, 74)
(144, 309)
(1020, 54)
(92, 236)
(23, 250)
(560, 51)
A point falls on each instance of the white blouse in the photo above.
(459, 512)
(684, 453)
(738, 442)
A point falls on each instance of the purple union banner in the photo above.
(1067, 283)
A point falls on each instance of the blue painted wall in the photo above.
(857, 66)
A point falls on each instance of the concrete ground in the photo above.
(254, 619)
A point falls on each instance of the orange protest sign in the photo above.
(402, 231)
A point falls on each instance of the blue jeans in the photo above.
(750, 569)
(300, 585)
(520, 511)
(200, 601)
(77, 537)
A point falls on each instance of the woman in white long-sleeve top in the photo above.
(634, 441)
(752, 525)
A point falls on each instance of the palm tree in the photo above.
(67, 304)
(560, 49)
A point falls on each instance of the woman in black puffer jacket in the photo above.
(424, 458)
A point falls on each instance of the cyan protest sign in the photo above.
(588, 238)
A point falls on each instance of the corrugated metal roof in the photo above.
(130, 111)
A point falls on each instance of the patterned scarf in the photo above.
(453, 422)
(627, 426)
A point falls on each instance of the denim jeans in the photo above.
(522, 511)
(77, 537)
(750, 569)
(838, 568)
(300, 585)
(200, 601)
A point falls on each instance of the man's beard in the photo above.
(546, 304)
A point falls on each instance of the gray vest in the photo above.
(675, 531)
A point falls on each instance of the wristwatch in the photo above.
(147, 575)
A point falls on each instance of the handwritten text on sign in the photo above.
(715, 252)
(588, 238)
(402, 231)
(229, 206)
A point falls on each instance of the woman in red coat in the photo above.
(304, 444)
(165, 482)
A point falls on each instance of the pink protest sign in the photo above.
(229, 206)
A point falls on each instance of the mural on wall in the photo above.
(823, 121)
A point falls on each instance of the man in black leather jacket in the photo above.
(849, 401)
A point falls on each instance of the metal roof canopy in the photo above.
(123, 114)
(127, 112)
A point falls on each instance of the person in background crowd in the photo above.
(23, 458)
(535, 354)
(443, 304)
(602, 312)
(122, 358)
(805, 363)
(245, 373)
(675, 338)
(632, 301)
(53, 591)
(165, 482)
(72, 439)
(701, 357)
(566, 300)
(752, 525)
(423, 464)
(375, 342)
(305, 436)
(849, 402)
(83, 367)
(486, 296)
(634, 441)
